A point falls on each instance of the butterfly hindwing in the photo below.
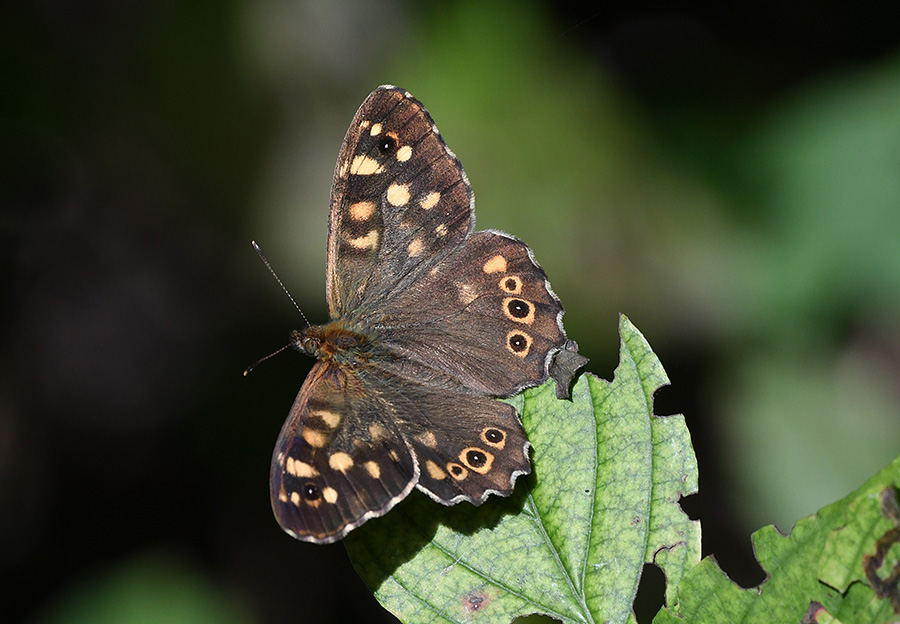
(340, 458)
(400, 200)
(466, 446)
(491, 319)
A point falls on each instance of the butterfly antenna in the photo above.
(284, 288)
(263, 359)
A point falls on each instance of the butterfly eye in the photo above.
(310, 344)
(387, 144)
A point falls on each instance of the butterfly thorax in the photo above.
(332, 342)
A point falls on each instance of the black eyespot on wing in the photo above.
(476, 459)
(493, 435)
(387, 145)
(518, 308)
(518, 343)
(311, 492)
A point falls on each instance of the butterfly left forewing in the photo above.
(339, 460)
(400, 200)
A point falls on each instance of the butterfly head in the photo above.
(332, 342)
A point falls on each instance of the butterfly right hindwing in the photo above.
(339, 460)
(466, 446)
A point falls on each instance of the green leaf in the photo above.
(818, 571)
(572, 539)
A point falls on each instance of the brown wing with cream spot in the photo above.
(492, 324)
(339, 460)
(400, 200)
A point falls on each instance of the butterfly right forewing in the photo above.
(400, 201)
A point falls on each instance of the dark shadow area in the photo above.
(534, 619)
(651, 594)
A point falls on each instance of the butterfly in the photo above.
(429, 322)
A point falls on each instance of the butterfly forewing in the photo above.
(339, 460)
(400, 201)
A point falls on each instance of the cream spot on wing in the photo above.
(314, 438)
(375, 130)
(364, 165)
(428, 439)
(330, 418)
(360, 211)
(365, 123)
(440, 230)
(369, 241)
(434, 471)
(329, 494)
(340, 461)
(377, 432)
(430, 201)
(373, 469)
(295, 498)
(283, 497)
(300, 469)
(345, 167)
(404, 153)
(497, 264)
(467, 293)
(398, 194)
(416, 247)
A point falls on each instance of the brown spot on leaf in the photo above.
(888, 587)
(475, 600)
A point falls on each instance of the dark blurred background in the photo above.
(729, 177)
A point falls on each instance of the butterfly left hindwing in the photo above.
(429, 322)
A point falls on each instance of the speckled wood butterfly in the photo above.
(429, 322)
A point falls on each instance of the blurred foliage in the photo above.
(726, 178)
(149, 589)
